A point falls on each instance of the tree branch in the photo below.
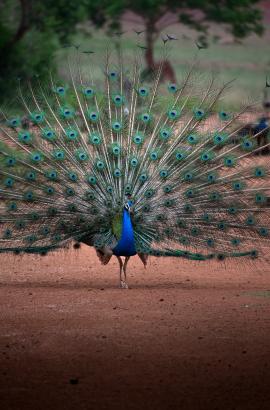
(24, 23)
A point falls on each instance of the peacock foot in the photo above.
(123, 284)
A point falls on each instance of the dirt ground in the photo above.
(185, 335)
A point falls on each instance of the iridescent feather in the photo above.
(194, 187)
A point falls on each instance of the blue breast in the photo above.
(261, 125)
(126, 244)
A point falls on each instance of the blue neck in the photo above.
(126, 244)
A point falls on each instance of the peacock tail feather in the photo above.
(196, 187)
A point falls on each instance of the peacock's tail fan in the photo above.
(80, 147)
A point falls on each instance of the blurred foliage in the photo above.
(30, 33)
(241, 17)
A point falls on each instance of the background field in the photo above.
(246, 62)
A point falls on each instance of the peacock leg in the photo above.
(125, 270)
(122, 282)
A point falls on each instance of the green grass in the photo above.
(259, 293)
(247, 63)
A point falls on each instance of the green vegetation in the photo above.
(247, 63)
(30, 33)
(33, 34)
(241, 17)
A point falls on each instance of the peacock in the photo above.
(130, 166)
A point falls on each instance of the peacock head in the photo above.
(128, 202)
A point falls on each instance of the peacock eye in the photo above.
(117, 173)
(112, 75)
(59, 155)
(145, 117)
(134, 162)
(50, 190)
(172, 88)
(247, 144)
(229, 161)
(224, 116)
(88, 91)
(11, 161)
(149, 193)
(116, 150)
(118, 100)
(73, 177)
(100, 165)
(198, 113)
(212, 177)
(138, 139)
(163, 173)
(142, 177)
(192, 139)
(263, 231)
(206, 156)
(154, 156)
(173, 114)
(36, 157)
(82, 156)
(93, 116)
(210, 242)
(94, 138)
(14, 122)
(60, 91)
(143, 92)
(188, 176)
(116, 126)
(71, 134)
(259, 172)
(179, 156)
(218, 139)
(36, 118)
(70, 192)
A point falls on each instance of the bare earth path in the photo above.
(185, 336)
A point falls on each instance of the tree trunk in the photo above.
(152, 66)
(149, 52)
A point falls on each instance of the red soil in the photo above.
(185, 336)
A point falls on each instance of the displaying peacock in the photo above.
(131, 168)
